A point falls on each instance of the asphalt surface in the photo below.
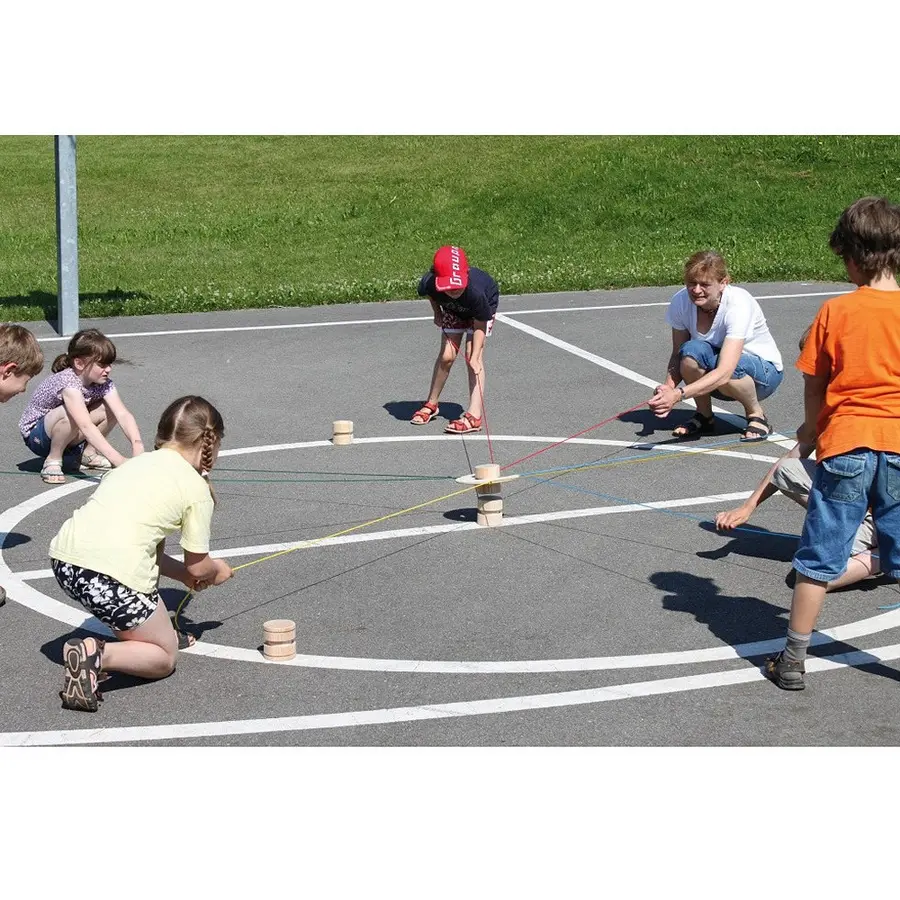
(609, 623)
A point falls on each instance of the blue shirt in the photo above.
(478, 301)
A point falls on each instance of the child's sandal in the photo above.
(464, 424)
(423, 416)
(52, 473)
(82, 675)
(95, 461)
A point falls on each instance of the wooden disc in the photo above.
(487, 472)
(342, 426)
(280, 652)
(278, 626)
(489, 519)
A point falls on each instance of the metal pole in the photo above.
(66, 236)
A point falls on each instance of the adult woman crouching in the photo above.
(721, 347)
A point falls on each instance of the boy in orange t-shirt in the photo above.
(851, 372)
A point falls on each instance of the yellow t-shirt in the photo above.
(134, 508)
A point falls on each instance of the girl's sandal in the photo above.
(52, 473)
(425, 414)
(464, 424)
(82, 675)
(95, 461)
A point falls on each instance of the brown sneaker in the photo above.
(787, 675)
(82, 675)
(2, 596)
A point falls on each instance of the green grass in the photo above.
(180, 224)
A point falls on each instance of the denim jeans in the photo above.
(764, 374)
(843, 488)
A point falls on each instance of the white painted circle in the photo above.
(21, 592)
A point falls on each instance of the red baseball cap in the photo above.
(451, 269)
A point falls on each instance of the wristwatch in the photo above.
(682, 394)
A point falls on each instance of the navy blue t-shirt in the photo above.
(478, 301)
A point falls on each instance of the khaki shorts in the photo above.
(793, 478)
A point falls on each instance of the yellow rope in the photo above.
(314, 541)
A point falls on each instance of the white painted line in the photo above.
(431, 711)
(179, 331)
(428, 318)
(22, 593)
(529, 312)
(736, 421)
(508, 521)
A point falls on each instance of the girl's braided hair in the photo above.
(188, 422)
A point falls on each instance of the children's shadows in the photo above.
(740, 622)
(404, 410)
(752, 541)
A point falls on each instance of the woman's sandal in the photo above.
(697, 424)
(52, 473)
(82, 675)
(464, 424)
(95, 461)
(759, 427)
(425, 414)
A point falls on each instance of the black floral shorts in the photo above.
(109, 600)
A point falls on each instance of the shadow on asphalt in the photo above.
(741, 620)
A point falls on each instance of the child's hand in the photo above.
(439, 320)
(806, 434)
(725, 521)
(137, 447)
(223, 572)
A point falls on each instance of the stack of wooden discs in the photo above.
(490, 502)
(342, 433)
(279, 640)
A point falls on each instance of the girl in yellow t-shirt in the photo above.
(109, 554)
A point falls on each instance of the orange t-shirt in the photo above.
(855, 342)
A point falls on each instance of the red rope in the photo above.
(577, 434)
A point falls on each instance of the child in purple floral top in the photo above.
(73, 410)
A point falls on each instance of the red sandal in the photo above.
(464, 424)
(425, 414)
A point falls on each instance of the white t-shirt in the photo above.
(136, 506)
(738, 316)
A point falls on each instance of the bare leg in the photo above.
(858, 567)
(104, 420)
(148, 651)
(64, 433)
(806, 604)
(443, 364)
(690, 372)
(744, 391)
(476, 407)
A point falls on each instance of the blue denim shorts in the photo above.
(38, 442)
(844, 487)
(764, 374)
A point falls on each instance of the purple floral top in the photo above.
(48, 395)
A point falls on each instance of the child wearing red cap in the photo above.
(464, 301)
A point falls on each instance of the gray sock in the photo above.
(795, 648)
